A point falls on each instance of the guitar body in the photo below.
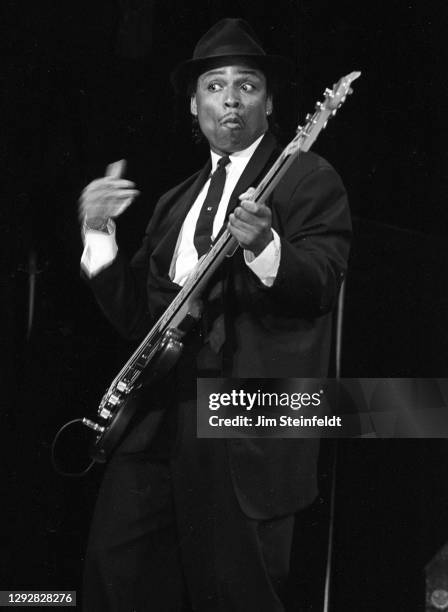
(117, 409)
(114, 431)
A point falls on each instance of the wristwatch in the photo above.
(99, 224)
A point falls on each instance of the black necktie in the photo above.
(204, 226)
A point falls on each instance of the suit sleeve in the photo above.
(312, 217)
(134, 294)
(121, 288)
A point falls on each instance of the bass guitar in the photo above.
(162, 346)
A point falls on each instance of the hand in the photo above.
(250, 223)
(106, 197)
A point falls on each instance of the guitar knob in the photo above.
(123, 387)
(105, 413)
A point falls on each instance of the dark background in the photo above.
(86, 83)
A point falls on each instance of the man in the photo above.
(182, 521)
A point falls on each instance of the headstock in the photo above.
(336, 96)
(317, 121)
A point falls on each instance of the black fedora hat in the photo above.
(227, 40)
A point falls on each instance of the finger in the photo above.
(247, 195)
(119, 193)
(107, 182)
(103, 195)
(108, 203)
(241, 224)
(116, 169)
(120, 209)
(249, 206)
(241, 215)
(113, 182)
(260, 210)
(240, 235)
(257, 218)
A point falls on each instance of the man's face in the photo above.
(231, 104)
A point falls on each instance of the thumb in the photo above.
(247, 195)
(116, 169)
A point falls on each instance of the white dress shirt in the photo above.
(100, 249)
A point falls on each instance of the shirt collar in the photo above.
(239, 157)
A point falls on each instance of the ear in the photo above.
(269, 105)
(193, 106)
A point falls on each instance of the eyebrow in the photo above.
(242, 73)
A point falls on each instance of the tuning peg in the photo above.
(329, 93)
(318, 106)
(309, 117)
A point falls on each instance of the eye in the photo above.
(248, 87)
(213, 86)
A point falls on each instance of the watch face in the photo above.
(439, 599)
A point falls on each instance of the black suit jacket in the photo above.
(280, 331)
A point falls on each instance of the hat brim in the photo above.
(278, 69)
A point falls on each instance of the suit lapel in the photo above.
(176, 211)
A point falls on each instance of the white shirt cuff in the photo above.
(265, 266)
(100, 249)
